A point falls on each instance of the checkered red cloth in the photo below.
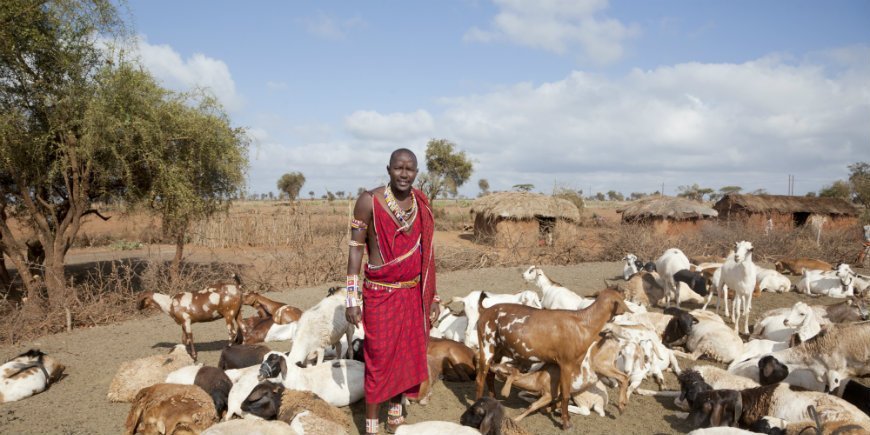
(397, 321)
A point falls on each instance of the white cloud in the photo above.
(559, 26)
(197, 70)
(276, 86)
(327, 27)
(396, 127)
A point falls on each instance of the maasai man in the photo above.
(395, 225)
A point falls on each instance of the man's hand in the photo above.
(353, 315)
(434, 312)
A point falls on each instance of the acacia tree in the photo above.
(838, 189)
(447, 169)
(483, 185)
(291, 183)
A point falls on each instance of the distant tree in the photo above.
(290, 183)
(600, 196)
(447, 169)
(730, 189)
(761, 191)
(271, 195)
(859, 178)
(330, 196)
(311, 194)
(575, 196)
(838, 189)
(694, 192)
(615, 196)
(340, 194)
(483, 185)
(524, 187)
(323, 196)
(637, 195)
(811, 194)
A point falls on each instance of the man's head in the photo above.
(402, 170)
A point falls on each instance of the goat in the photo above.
(218, 300)
(281, 313)
(270, 401)
(705, 378)
(771, 280)
(641, 288)
(632, 266)
(321, 326)
(339, 382)
(134, 375)
(562, 337)
(213, 380)
(240, 356)
(705, 336)
(554, 295)
(487, 416)
(450, 359)
(450, 326)
(738, 274)
(641, 351)
(170, 408)
(671, 262)
(27, 374)
(527, 297)
(837, 283)
(716, 408)
(435, 428)
(794, 266)
(250, 426)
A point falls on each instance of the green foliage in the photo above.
(447, 169)
(811, 194)
(483, 185)
(600, 196)
(859, 178)
(637, 195)
(724, 190)
(761, 191)
(291, 183)
(575, 196)
(838, 189)
(615, 196)
(694, 192)
(523, 187)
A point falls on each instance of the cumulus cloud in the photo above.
(559, 26)
(198, 70)
(328, 27)
(395, 127)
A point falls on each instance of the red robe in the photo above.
(396, 321)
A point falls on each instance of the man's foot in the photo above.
(393, 423)
(371, 426)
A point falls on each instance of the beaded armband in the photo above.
(354, 295)
(436, 299)
(357, 224)
(355, 244)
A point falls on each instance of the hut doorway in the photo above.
(546, 227)
(800, 218)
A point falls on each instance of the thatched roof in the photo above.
(667, 207)
(786, 204)
(522, 205)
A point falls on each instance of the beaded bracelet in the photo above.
(358, 224)
(355, 244)
(353, 296)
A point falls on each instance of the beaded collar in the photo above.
(405, 217)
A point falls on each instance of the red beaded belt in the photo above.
(389, 286)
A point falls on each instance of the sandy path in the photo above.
(78, 405)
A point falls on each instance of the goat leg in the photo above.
(187, 339)
(566, 374)
(545, 400)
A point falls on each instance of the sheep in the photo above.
(695, 280)
(250, 426)
(450, 326)
(29, 373)
(771, 281)
(671, 262)
(240, 356)
(526, 297)
(641, 288)
(170, 408)
(727, 403)
(632, 265)
(642, 351)
(270, 401)
(487, 415)
(554, 295)
(738, 274)
(794, 265)
(705, 336)
(218, 300)
(282, 313)
(778, 426)
(134, 375)
(838, 283)
(561, 337)
(321, 326)
(339, 382)
(212, 380)
(435, 428)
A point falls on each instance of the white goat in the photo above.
(834, 283)
(671, 262)
(450, 326)
(738, 274)
(713, 338)
(28, 374)
(525, 297)
(630, 267)
(641, 351)
(339, 382)
(771, 281)
(554, 295)
(321, 326)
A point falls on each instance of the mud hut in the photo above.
(521, 219)
(786, 212)
(667, 214)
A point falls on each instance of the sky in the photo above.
(591, 95)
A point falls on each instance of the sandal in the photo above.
(393, 423)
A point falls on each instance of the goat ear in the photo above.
(487, 424)
(282, 363)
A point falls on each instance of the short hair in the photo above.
(401, 151)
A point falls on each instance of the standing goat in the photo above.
(223, 299)
(738, 274)
(554, 295)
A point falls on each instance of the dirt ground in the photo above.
(78, 404)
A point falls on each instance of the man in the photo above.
(395, 225)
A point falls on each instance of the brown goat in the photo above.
(170, 409)
(223, 299)
(794, 265)
(255, 329)
(561, 337)
(452, 360)
(280, 312)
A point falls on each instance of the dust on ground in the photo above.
(78, 404)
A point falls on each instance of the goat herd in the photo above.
(560, 349)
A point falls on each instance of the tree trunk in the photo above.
(175, 269)
(55, 282)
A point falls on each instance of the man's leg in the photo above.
(372, 410)
(394, 414)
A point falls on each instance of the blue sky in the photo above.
(580, 94)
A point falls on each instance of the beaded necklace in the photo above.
(405, 217)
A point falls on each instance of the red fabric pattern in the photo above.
(397, 321)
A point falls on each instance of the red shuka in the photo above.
(396, 321)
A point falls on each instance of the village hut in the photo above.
(787, 212)
(521, 218)
(667, 214)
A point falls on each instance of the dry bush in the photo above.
(273, 227)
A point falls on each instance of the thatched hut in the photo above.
(667, 214)
(786, 212)
(520, 218)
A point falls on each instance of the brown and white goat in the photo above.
(280, 312)
(169, 409)
(223, 299)
(561, 337)
(793, 266)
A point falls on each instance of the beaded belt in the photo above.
(389, 286)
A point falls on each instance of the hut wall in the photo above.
(511, 233)
(787, 221)
(836, 222)
(484, 229)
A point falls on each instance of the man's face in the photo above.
(403, 171)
